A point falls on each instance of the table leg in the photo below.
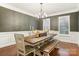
(34, 52)
(46, 54)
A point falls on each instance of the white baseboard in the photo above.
(8, 44)
(69, 41)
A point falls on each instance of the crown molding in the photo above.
(64, 12)
(16, 9)
(53, 14)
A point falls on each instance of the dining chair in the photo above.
(22, 49)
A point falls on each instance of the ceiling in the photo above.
(50, 9)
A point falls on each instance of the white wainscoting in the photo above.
(72, 38)
(7, 38)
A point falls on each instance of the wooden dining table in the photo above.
(34, 41)
(37, 40)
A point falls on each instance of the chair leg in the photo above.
(17, 54)
(34, 52)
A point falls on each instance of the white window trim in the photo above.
(48, 25)
(59, 27)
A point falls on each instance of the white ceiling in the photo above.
(49, 8)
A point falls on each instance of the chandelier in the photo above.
(42, 14)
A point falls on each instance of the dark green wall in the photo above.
(40, 24)
(15, 21)
(78, 21)
(54, 23)
(73, 21)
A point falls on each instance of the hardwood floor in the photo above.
(66, 49)
(8, 51)
(62, 49)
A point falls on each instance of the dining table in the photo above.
(41, 41)
(37, 40)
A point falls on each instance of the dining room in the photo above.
(39, 29)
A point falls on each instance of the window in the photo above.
(46, 24)
(64, 25)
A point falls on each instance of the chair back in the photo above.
(20, 42)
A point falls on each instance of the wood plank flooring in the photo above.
(62, 49)
(66, 49)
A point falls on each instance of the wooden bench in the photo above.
(46, 49)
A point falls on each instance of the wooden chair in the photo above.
(22, 49)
